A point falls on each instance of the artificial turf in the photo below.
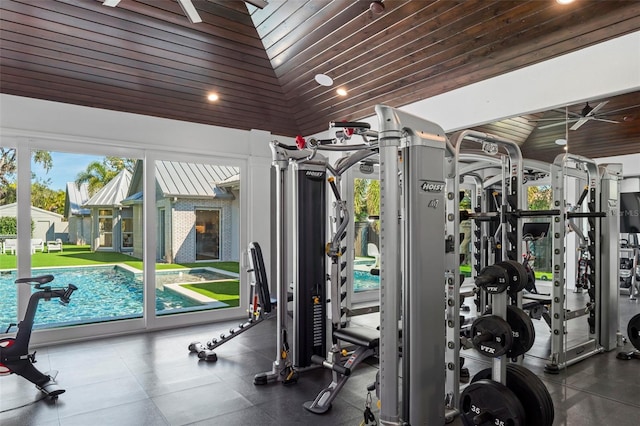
(227, 291)
(73, 255)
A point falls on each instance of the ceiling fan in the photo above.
(588, 113)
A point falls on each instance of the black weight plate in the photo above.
(486, 402)
(522, 330)
(524, 333)
(533, 394)
(491, 335)
(493, 279)
(517, 275)
(633, 331)
(533, 382)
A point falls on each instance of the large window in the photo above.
(87, 217)
(366, 208)
(363, 189)
(83, 234)
(540, 198)
(8, 235)
(198, 233)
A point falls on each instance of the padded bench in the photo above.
(366, 341)
(537, 306)
(361, 336)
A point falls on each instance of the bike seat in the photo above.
(42, 279)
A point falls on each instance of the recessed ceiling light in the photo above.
(564, 1)
(341, 91)
(324, 80)
(561, 142)
(213, 97)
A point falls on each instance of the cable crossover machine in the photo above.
(420, 335)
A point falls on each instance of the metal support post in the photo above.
(611, 175)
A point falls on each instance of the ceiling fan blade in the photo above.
(562, 123)
(597, 108)
(580, 122)
(570, 113)
(535, 120)
(606, 120)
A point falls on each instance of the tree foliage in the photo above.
(366, 199)
(46, 198)
(8, 168)
(41, 196)
(99, 173)
(539, 197)
(9, 225)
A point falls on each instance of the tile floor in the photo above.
(151, 379)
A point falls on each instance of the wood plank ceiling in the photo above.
(145, 57)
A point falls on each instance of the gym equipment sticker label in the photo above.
(428, 186)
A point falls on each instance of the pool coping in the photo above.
(194, 295)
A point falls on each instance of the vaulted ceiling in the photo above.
(146, 57)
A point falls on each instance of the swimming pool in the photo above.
(104, 293)
(364, 281)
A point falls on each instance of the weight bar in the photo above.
(491, 335)
(485, 402)
(531, 391)
(633, 331)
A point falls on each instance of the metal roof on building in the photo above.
(75, 199)
(11, 210)
(193, 180)
(113, 192)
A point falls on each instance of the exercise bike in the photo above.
(14, 351)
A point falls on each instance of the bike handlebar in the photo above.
(66, 296)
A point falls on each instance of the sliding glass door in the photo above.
(198, 206)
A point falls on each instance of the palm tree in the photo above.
(96, 176)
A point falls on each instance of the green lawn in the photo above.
(227, 291)
(73, 255)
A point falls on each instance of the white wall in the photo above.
(118, 132)
(630, 164)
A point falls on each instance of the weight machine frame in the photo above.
(291, 166)
(603, 260)
(510, 163)
(412, 157)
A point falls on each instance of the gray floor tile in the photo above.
(139, 413)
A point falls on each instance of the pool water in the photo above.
(364, 281)
(104, 293)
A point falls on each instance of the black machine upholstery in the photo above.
(361, 336)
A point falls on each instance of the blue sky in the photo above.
(65, 168)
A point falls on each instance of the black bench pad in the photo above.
(361, 336)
